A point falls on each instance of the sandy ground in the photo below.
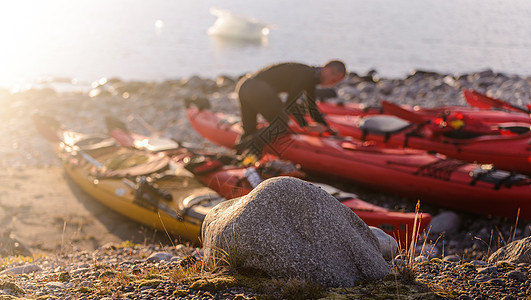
(47, 213)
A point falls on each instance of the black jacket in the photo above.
(294, 79)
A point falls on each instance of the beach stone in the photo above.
(446, 222)
(26, 269)
(515, 252)
(388, 245)
(516, 275)
(55, 285)
(80, 271)
(482, 278)
(430, 251)
(289, 228)
(159, 256)
(421, 259)
(479, 263)
(452, 258)
(488, 270)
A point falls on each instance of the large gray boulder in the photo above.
(289, 228)
(515, 252)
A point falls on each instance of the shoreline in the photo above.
(47, 214)
(162, 106)
(66, 85)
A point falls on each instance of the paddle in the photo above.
(479, 100)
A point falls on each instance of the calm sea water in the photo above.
(164, 39)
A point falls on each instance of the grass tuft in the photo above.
(149, 282)
(214, 284)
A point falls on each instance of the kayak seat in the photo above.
(382, 125)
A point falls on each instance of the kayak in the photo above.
(166, 189)
(347, 108)
(231, 180)
(413, 173)
(137, 185)
(481, 109)
(479, 100)
(506, 145)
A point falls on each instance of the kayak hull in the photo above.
(117, 192)
(229, 181)
(408, 172)
(507, 152)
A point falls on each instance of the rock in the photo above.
(527, 230)
(225, 81)
(289, 228)
(452, 258)
(421, 259)
(388, 245)
(197, 83)
(55, 285)
(516, 275)
(159, 256)
(488, 270)
(446, 222)
(347, 92)
(26, 269)
(482, 278)
(81, 271)
(479, 263)
(515, 252)
(424, 276)
(428, 250)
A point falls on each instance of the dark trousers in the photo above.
(257, 97)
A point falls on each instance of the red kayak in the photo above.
(230, 180)
(350, 108)
(153, 187)
(413, 173)
(479, 110)
(479, 100)
(506, 145)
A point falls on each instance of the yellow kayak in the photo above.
(145, 187)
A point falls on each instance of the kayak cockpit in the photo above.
(382, 125)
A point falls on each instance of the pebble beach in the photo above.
(83, 251)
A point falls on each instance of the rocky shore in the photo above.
(131, 271)
(453, 264)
